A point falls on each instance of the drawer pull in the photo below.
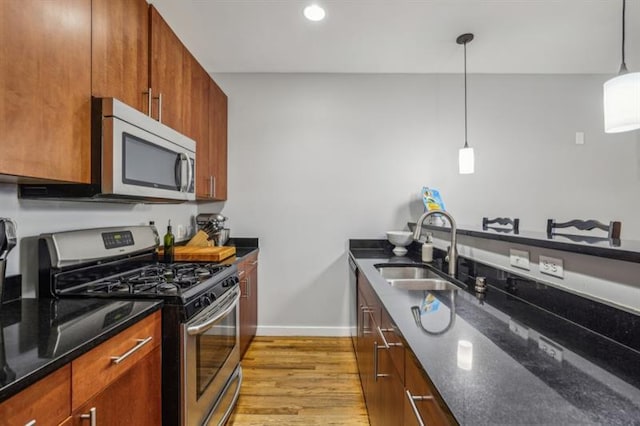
(387, 345)
(141, 342)
(91, 416)
(30, 423)
(412, 401)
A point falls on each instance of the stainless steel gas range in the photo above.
(201, 373)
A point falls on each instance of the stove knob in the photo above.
(206, 300)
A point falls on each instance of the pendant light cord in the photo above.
(623, 66)
(466, 145)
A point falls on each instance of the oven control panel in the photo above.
(117, 239)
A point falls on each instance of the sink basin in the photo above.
(413, 277)
(427, 284)
(394, 272)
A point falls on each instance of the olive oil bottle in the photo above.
(169, 241)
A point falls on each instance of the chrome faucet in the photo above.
(453, 251)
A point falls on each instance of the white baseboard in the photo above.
(277, 330)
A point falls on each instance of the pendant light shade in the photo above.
(466, 158)
(622, 96)
(466, 161)
(622, 103)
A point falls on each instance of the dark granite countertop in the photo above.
(38, 336)
(510, 380)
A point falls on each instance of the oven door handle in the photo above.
(201, 328)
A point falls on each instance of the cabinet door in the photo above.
(45, 89)
(248, 301)
(120, 51)
(46, 402)
(218, 141)
(253, 299)
(199, 126)
(389, 389)
(133, 399)
(168, 78)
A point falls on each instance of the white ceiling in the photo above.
(407, 36)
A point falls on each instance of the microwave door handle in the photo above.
(189, 173)
(184, 158)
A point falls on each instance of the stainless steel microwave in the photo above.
(140, 160)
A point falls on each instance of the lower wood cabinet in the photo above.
(119, 382)
(248, 272)
(389, 372)
(133, 399)
(422, 405)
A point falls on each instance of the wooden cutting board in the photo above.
(200, 254)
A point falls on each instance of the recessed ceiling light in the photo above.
(314, 13)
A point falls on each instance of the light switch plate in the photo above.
(519, 259)
(551, 266)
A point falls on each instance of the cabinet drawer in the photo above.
(392, 337)
(96, 369)
(48, 401)
(427, 402)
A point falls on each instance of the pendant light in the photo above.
(466, 158)
(622, 95)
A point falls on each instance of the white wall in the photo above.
(34, 217)
(318, 159)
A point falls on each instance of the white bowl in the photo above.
(400, 239)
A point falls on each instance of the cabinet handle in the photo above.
(241, 274)
(365, 311)
(149, 99)
(375, 362)
(248, 287)
(141, 342)
(387, 345)
(91, 416)
(30, 423)
(211, 186)
(159, 98)
(254, 263)
(412, 400)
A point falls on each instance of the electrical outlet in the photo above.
(519, 329)
(550, 348)
(579, 138)
(551, 266)
(519, 259)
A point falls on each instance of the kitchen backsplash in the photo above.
(34, 217)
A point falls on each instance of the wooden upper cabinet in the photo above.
(45, 89)
(169, 82)
(120, 51)
(217, 141)
(198, 128)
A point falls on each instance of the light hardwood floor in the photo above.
(300, 381)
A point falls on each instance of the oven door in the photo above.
(211, 357)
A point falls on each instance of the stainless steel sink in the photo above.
(428, 284)
(412, 277)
